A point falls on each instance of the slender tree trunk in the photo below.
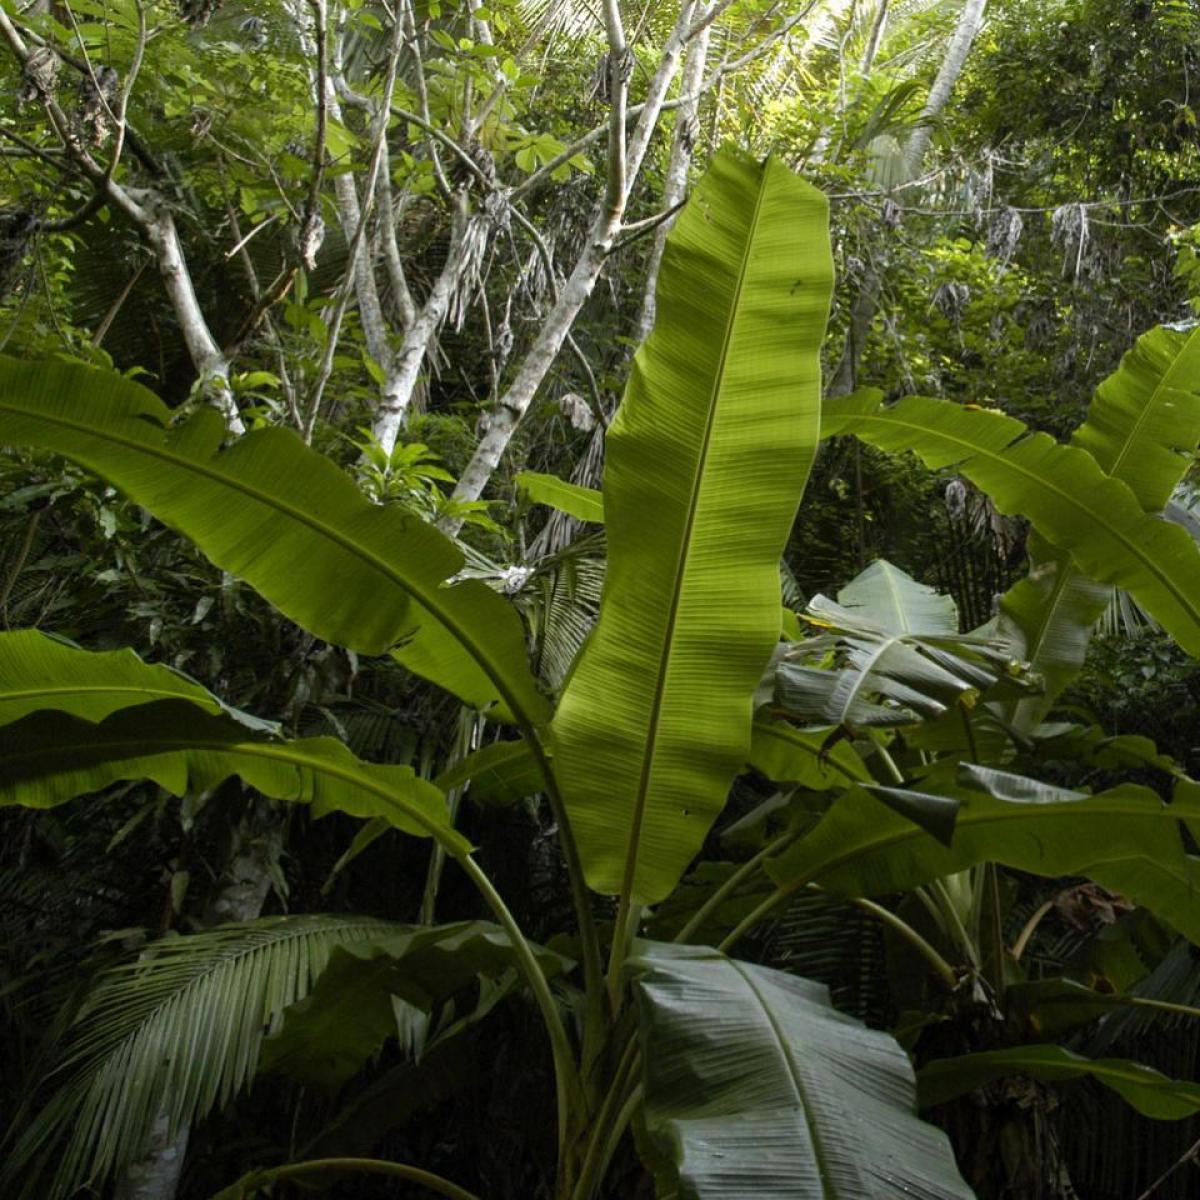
(687, 128)
(624, 165)
(207, 356)
(969, 21)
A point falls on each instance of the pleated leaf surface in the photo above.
(756, 1086)
(706, 461)
(1140, 426)
(277, 514)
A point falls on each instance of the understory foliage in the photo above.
(599, 602)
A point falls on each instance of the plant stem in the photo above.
(1030, 928)
(749, 921)
(941, 968)
(729, 886)
(594, 1162)
(566, 1077)
(889, 762)
(249, 1184)
(589, 939)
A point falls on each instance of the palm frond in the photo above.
(176, 1033)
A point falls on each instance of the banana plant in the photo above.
(715, 1064)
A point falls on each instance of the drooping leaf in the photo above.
(273, 512)
(756, 1086)
(897, 656)
(1141, 423)
(51, 757)
(1126, 839)
(1061, 489)
(1151, 1092)
(706, 462)
(179, 1032)
(41, 672)
(328, 1036)
(583, 503)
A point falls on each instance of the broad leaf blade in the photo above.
(327, 1037)
(1151, 1092)
(51, 757)
(1126, 839)
(40, 672)
(583, 503)
(284, 518)
(706, 461)
(1061, 489)
(1140, 424)
(756, 1086)
(896, 603)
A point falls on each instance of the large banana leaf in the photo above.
(888, 638)
(179, 1031)
(1142, 420)
(284, 518)
(51, 757)
(38, 672)
(756, 1086)
(706, 462)
(1126, 839)
(1068, 499)
(327, 1037)
(1151, 1092)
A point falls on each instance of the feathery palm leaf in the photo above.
(179, 1031)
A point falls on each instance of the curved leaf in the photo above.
(893, 601)
(792, 1101)
(179, 1031)
(583, 503)
(706, 461)
(1140, 424)
(812, 758)
(38, 671)
(1151, 1092)
(273, 512)
(51, 757)
(1061, 489)
(1126, 839)
(502, 773)
(890, 638)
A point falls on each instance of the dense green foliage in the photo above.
(421, 774)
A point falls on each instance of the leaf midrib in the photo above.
(137, 747)
(425, 596)
(794, 1076)
(1054, 810)
(633, 853)
(888, 419)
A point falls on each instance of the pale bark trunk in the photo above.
(607, 221)
(969, 21)
(675, 186)
(404, 368)
(207, 357)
